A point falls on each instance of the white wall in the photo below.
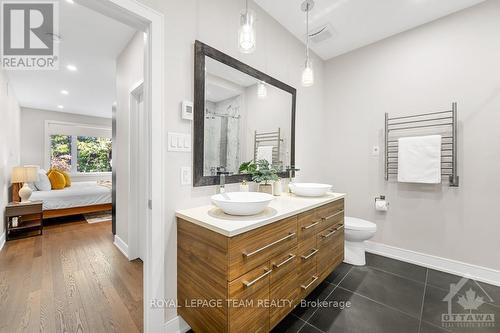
(9, 143)
(453, 59)
(129, 71)
(267, 115)
(33, 138)
(278, 53)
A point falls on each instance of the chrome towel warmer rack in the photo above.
(445, 121)
(273, 139)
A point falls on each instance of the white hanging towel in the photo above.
(265, 153)
(419, 159)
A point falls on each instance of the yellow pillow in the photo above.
(67, 177)
(56, 180)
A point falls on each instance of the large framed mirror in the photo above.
(240, 115)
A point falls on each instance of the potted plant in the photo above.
(247, 167)
(264, 175)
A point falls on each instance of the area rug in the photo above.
(98, 217)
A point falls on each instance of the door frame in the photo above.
(148, 20)
(135, 214)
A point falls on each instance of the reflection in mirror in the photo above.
(244, 119)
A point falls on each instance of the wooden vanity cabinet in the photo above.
(251, 281)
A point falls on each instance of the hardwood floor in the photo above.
(71, 279)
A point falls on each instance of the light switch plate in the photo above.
(179, 142)
(186, 176)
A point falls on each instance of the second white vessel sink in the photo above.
(309, 189)
(242, 203)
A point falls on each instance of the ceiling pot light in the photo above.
(64, 92)
(60, 107)
(308, 72)
(246, 32)
(70, 1)
(71, 68)
(261, 90)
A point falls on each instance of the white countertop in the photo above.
(283, 206)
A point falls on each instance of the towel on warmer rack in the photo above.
(419, 159)
(265, 153)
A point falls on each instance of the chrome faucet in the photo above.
(291, 172)
(222, 181)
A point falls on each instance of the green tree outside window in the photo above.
(93, 154)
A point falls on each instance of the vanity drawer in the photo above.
(308, 279)
(331, 214)
(284, 296)
(308, 253)
(248, 299)
(327, 264)
(309, 223)
(283, 264)
(284, 286)
(331, 251)
(307, 246)
(331, 208)
(331, 236)
(251, 249)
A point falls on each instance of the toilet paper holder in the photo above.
(381, 198)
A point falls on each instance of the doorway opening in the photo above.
(126, 157)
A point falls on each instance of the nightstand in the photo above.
(29, 218)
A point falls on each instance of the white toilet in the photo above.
(356, 232)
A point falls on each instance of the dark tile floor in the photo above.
(388, 296)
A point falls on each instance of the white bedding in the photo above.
(77, 195)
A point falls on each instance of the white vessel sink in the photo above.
(309, 189)
(242, 203)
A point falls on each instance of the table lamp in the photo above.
(25, 175)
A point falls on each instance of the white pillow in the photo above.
(43, 183)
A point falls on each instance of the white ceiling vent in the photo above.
(322, 33)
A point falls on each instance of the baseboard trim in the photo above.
(2, 240)
(121, 245)
(176, 325)
(479, 273)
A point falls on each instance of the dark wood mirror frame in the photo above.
(202, 50)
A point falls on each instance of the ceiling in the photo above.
(224, 82)
(357, 23)
(91, 42)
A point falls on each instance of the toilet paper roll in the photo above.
(381, 205)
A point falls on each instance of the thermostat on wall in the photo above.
(187, 110)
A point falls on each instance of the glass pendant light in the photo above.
(261, 90)
(308, 72)
(246, 32)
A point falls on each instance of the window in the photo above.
(79, 149)
(60, 152)
(93, 154)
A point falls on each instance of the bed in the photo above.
(79, 198)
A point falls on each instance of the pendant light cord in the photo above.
(307, 34)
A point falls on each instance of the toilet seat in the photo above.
(353, 223)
